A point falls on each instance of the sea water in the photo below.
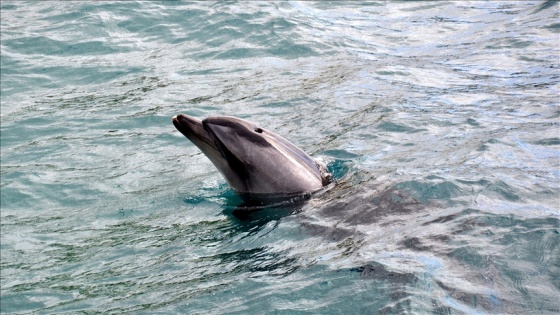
(439, 120)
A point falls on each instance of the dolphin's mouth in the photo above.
(193, 129)
(202, 134)
(187, 125)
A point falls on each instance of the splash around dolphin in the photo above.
(255, 162)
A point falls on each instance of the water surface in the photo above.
(440, 121)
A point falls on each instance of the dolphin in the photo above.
(254, 161)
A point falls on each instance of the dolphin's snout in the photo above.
(191, 128)
(186, 122)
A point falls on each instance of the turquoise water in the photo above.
(440, 121)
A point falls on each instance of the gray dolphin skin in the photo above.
(253, 160)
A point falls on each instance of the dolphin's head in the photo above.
(252, 159)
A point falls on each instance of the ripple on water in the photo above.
(438, 121)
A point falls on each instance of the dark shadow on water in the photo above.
(252, 214)
(396, 285)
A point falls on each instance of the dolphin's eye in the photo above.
(258, 129)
